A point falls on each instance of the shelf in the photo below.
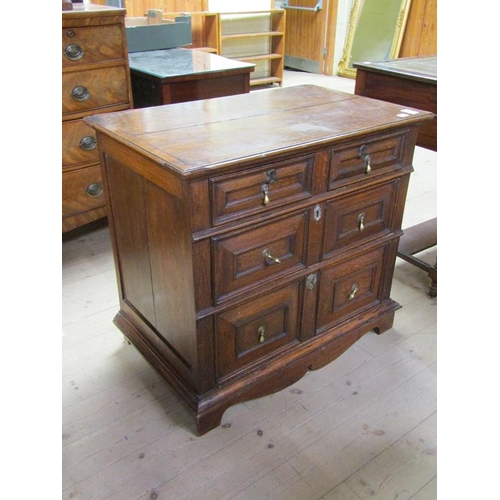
(264, 81)
(261, 57)
(257, 37)
(250, 35)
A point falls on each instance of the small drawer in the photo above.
(256, 329)
(351, 219)
(79, 143)
(348, 287)
(82, 190)
(258, 190)
(87, 45)
(263, 253)
(93, 89)
(365, 159)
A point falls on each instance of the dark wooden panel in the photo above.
(131, 236)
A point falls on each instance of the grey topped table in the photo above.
(180, 75)
(412, 82)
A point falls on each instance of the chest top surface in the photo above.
(195, 137)
(89, 9)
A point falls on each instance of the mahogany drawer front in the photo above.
(348, 287)
(258, 190)
(79, 143)
(82, 190)
(93, 89)
(357, 217)
(257, 328)
(264, 253)
(87, 45)
(364, 159)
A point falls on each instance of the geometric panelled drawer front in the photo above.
(364, 159)
(356, 218)
(348, 287)
(257, 328)
(245, 258)
(259, 190)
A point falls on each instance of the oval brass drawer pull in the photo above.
(88, 143)
(74, 52)
(80, 93)
(94, 190)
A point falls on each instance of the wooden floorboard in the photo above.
(362, 427)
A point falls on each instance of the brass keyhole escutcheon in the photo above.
(261, 331)
(271, 176)
(354, 290)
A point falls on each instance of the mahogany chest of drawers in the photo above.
(255, 235)
(95, 79)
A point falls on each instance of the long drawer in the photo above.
(79, 143)
(88, 45)
(83, 91)
(82, 190)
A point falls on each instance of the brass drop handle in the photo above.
(267, 255)
(354, 289)
(368, 164)
(261, 331)
(361, 221)
(265, 192)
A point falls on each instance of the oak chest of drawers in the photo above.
(95, 79)
(254, 236)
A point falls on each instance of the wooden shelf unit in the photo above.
(257, 37)
(204, 29)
